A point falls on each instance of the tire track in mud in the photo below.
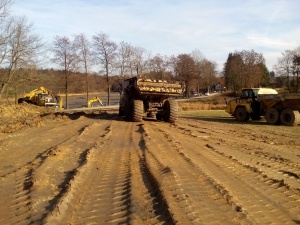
(15, 198)
(16, 207)
(263, 158)
(262, 200)
(27, 201)
(148, 203)
(113, 186)
(192, 197)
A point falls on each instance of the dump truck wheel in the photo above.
(21, 100)
(241, 114)
(288, 117)
(127, 108)
(121, 112)
(170, 108)
(272, 116)
(159, 116)
(122, 104)
(138, 110)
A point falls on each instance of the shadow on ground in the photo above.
(227, 120)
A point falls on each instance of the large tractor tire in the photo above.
(138, 110)
(288, 117)
(170, 111)
(272, 116)
(241, 114)
(127, 109)
(122, 106)
(121, 112)
(21, 100)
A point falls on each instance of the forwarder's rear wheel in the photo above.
(170, 111)
(127, 109)
(272, 116)
(288, 117)
(241, 114)
(138, 110)
(20, 100)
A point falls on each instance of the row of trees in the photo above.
(82, 55)
(19, 46)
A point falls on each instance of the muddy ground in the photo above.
(96, 168)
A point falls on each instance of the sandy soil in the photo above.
(95, 168)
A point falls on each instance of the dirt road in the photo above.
(99, 169)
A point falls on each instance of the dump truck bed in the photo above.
(150, 87)
(291, 101)
(147, 86)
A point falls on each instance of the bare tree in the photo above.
(20, 49)
(287, 67)
(253, 71)
(125, 52)
(5, 27)
(208, 70)
(185, 69)
(105, 53)
(296, 70)
(4, 8)
(82, 46)
(156, 65)
(139, 61)
(65, 56)
(199, 59)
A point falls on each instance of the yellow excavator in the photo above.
(41, 97)
(94, 99)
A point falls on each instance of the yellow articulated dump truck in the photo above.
(142, 98)
(41, 97)
(257, 102)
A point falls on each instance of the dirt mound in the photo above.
(16, 117)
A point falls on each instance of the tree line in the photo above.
(245, 69)
(84, 64)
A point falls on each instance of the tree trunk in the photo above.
(87, 89)
(108, 84)
(66, 90)
(11, 73)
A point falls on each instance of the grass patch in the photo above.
(208, 115)
(213, 102)
(198, 105)
(205, 113)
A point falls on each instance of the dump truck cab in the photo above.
(241, 108)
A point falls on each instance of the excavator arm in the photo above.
(95, 99)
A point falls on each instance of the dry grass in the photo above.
(214, 102)
(187, 106)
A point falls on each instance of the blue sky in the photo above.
(172, 27)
